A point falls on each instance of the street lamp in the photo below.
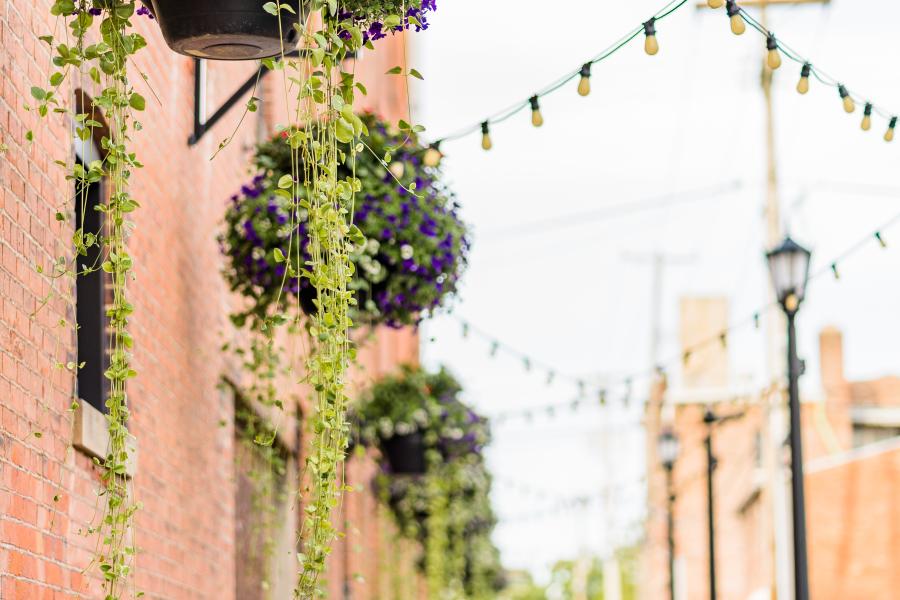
(789, 266)
(668, 448)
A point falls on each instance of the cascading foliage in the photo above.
(321, 95)
(94, 55)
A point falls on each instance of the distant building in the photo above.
(852, 455)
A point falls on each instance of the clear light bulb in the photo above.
(537, 119)
(867, 117)
(651, 46)
(584, 86)
(773, 59)
(849, 105)
(889, 134)
(738, 26)
(433, 155)
(803, 84)
(715, 3)
(486, 143)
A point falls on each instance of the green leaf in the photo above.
(271, 8)
(279, 255)
(38, 93)
(343, 131)
(285, 182)
(416, 74)
(137, 102)
(394, 71)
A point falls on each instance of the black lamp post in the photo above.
(668, 454)
(710, 419)
(789, 266)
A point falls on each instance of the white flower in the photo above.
(403, 428)
(372, 246)
(406, 251)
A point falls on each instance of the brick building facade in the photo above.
(189, 530)
(852, 455)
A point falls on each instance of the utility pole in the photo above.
(774, 412)
(659, 261)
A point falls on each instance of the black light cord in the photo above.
(808, 69)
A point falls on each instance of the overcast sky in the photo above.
(686, 124)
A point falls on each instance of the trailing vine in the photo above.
(99, 57)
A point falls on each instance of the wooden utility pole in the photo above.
(774, 410)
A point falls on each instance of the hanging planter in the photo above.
(224, 29)
(417, 412)
(405, 454)
(416, 249)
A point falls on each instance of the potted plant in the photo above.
(246, 29)
(416, 248)
(415, 412)
(225, 29)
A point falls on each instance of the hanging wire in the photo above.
(820, 75)
(625, 383)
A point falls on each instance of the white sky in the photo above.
(686, 121)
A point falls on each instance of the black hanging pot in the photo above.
(405, 454)
(225, 29)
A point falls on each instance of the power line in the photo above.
(616, 210)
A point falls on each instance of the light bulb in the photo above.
(537, 119)
(651, 46)
(849, 105)
(734, 15)
(433, 155)
(486, 143)
(584, 86)
(774, 57)
(715, 3)
(803, 84)
(889, 134)
(867, 117)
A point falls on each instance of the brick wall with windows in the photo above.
(185, 475)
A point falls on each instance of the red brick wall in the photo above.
(185, 477)
(854, 529)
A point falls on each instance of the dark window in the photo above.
(90, 300)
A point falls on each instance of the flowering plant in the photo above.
(376, 18)
(416, 248)
(416, 401)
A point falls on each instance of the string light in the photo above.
(584, 86)
(849, 105)
(773, 59)
(486, 143)
(433, 155)
(739, 19)
(734, 15)
(537, 119)
(803, 84)
(889, 134)
(715, 3)
(651, 46)
(626, 382)
(867, 117)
